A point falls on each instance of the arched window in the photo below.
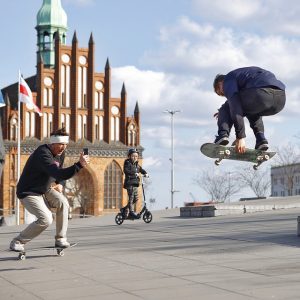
(79, 125)
(113, 186)
(13, 129)
(65, 86)
(131, 135)
(82, 84)
(47, 124)
(99, 128)
(115, 129)
(47, 41)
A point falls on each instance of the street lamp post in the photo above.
(172, 113)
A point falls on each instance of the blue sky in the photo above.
(167, 52)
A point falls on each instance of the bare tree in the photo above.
(258, 181)
(288, 162)
(79, 191)
(220, 187)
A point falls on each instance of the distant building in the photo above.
(71, 94)
(285, 180)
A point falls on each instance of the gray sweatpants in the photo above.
(39, 206)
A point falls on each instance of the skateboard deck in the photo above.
(59, 250)
(257, 157)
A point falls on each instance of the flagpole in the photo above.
(19, 150)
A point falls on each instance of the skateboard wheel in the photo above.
(119, 219)
(227, 152)
(22, 256)
(266, 157)
(60, 252)
(217, 163)
(255, 167)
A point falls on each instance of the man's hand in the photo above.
(84, 160)
(58, 188)
(240, 145)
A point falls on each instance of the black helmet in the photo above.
(131, 151)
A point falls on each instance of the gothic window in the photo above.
(99, 100)
(99, 128)
(79, 127)
(113, 186)
(82, 83)
(131, 135)
(47, 124)
(63, 120)
(65, 85)
(115, 129)
(29, 124)
(13, 129)
(84, 129)
(82, 126)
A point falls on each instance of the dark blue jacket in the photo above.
(242, 79)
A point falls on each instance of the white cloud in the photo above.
(233, 10)
(266, 16)
(150, 161)
(222, 50)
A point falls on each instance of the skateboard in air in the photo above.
(59, 250)
(257, 157)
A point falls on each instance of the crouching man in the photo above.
(39, 188)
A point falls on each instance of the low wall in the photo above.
(220, 209)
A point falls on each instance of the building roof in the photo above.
(52, 14)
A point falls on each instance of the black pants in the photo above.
(256, 103)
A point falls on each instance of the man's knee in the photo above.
(45, 219)
(58, 200)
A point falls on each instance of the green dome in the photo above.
(51, 13)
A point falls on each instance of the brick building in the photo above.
(72, 94)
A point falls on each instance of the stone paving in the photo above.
(251, 256)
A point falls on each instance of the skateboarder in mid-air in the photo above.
(251, 92)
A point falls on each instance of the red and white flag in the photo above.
(25, 96)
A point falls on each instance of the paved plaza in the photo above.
(251, 256)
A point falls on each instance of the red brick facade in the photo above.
(73, 95)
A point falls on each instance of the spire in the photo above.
(91, 40)
(136, 109)
(107, 66)
(74, 39)
(123, 92)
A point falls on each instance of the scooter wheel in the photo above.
(147, 217)
(119, 219)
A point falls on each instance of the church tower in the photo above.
(71, 93)
(51, 20)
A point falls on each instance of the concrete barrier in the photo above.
(244, 207)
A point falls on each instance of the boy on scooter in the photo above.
(132, 179)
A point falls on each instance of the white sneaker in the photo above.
(62, 243)
(16, 245)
